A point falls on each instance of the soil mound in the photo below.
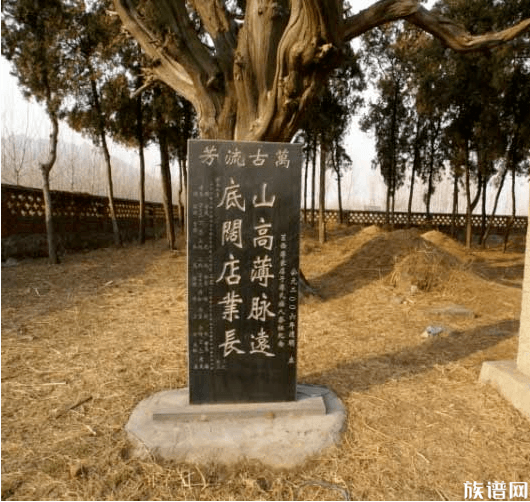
(427, 268)
(372, 230)
(376, 248)
(449, 245)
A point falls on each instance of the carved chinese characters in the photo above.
(243, 239)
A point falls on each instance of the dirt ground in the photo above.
(84, 342)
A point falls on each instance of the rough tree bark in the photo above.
(252, 78)
(494, 210)
(470, 204)
(45, 168)
(165, 175)
(180, 203)
(106, 155)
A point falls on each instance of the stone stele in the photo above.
(280, 434)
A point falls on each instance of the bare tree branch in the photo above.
(451, 33)
(377, 14)
(221, 28)
(183, 43)
(457, 38)
(165, 68)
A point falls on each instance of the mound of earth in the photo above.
(372, 230)
(426, 268)
(449, 245)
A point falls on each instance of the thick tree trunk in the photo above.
(322, 194)
(106, 155)
(141, 191)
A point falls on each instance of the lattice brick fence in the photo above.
(77, 217)
(440, 221)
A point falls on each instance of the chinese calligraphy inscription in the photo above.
(243, 240)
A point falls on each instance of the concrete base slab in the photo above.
(509, 381)
(280, 435)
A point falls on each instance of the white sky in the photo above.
(362, 186)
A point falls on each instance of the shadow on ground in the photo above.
(360, 375)
(372, 261)
(34, 287)
(502, 271)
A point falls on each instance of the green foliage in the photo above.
(487, 91)
(389, 115)
(33, 40)
(93, 49)
(329, 114)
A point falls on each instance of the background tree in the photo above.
(33, 34)
(475, 133)
(326, 123)
(340, 161)
(389, 116)
(131, 112)
(15, 152)
(516, 120)
(184, 127)
(306, 154)
(141, 113)
(94, 48)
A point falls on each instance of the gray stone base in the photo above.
(509, 381)
(281, 435)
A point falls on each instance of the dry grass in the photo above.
(84, 342)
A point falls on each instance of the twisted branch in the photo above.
(449, 32)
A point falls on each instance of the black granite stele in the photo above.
(243, 251)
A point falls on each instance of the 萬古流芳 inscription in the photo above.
(243, 246)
